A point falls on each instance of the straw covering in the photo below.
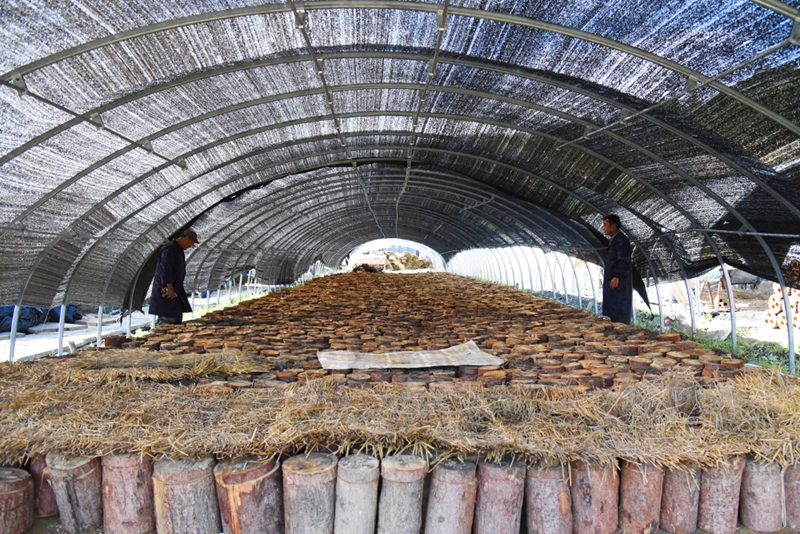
(228, 402)
(670, 420)
(289, 133)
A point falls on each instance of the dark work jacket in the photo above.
(170, 269)
(617, 302)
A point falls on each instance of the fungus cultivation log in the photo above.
(542, 343)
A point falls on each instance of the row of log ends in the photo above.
(775, 315)
(318, 493)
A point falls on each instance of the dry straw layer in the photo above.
(120, 403)
(149, 402)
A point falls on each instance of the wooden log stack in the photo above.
(582, 497)
(775, 315)
(544, 344)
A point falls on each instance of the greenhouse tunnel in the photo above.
(286, 134)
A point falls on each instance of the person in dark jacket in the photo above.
(617, 279)
(168, 299)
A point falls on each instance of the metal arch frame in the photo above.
(515, 72)
(211, 170)
(294, 197)
(526, 215)
(306, 156)
(410, 6)
(480, 94)
(435, 183)
(256, 212)
(506, 125)
(300, 261)
(317, 119)
(473, 235)
(228, 181)
(299, 16)
(674, 205)
(439, 183)
(467, 236)
(780, 7)
(303, 260)
(297, 260)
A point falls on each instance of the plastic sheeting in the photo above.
(286, 132)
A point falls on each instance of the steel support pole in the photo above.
(13, 338)
(483, 264)
(595, 290)
(697, 307)
(577, 281)
(130, 300)
(192, 304)
(789, 330)
(99, 325)
(61, 319)
(563, 278)
(241, 277)
(494, 265)
(519, 267)
(539, 271)
(600, 277)
(548, 273)
(529, 267)
(658, 293)
(219, 292)
(688, 295)
(731, 307)
(507, 266)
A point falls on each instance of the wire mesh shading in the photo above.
(123, 124)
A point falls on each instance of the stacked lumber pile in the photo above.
(775, 316)
(543, 343)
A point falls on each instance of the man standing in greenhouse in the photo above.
(168, 299)
(617, 279)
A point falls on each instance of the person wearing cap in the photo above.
(168, 298)
(617, 279)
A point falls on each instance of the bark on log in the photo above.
(640, 498)
(548, 504)
(250, 496)
(760, 497)
(501, 490)
(185, 497)
(76, 484)
(791, 484)
(357, 495)
(718, 512)
(309, 485)
(680, 500)
(402, 485)
(16, 500)
(595, 498)
(45, 505)
(451, 504)
(128, 494)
